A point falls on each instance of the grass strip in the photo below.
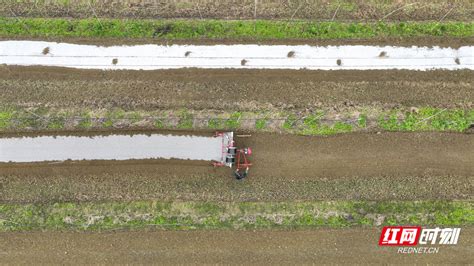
(225, 29)
(244, 215)
(312, 123)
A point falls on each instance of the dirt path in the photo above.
(346, 246)
(351, 166)
(233, 89)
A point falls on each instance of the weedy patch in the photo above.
(85, 121)
(290, 122)
(215, 123)
(5, 119)
(232, 215)
(234, 120)
(426, 119)
(186, 120)
(159, 124)
(362, 121)
(261, 123)
(314, 123)
(56, 123)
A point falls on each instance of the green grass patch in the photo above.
(290, 122)
(426, 119)
(232, 215)
(134, 117)
(159, 123)
(316, 123)
(5, 119)
(312, 126)
(85, 121)
(186, 120)
(56, 122)
(234, 120)
(261, 123)
(108, 123)
(219, 29)
(215, 123)
(362, 121)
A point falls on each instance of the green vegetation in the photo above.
(159, 123)
(134, 117)
(315, 123)
(215, 123)
(86, 121)
(290, 122)
(5, 119)
(234, 120)
(219, 29)
(260, 124)
(427, 119)
(362, 121)
(312, 125)
(244, 215)
(186, 120)
(56, 122)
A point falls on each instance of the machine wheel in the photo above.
(238, 175)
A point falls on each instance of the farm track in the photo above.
(233, 89)
(347, 246)
(386, 166)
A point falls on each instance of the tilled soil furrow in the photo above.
(399, 154)
(233, 89)
(353, 166)
(305, 246)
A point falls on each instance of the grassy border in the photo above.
(225, 29)
(313, 123)
(236, 215)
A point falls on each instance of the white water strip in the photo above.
(149, 57)
(112, 147)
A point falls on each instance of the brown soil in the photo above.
(322, 246)
(232, 89)
(383, 166)
(321, 10)
(429, 41)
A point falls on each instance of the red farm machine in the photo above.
(233, 156)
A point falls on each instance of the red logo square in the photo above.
(400, 236)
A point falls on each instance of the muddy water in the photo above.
(113, 147)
